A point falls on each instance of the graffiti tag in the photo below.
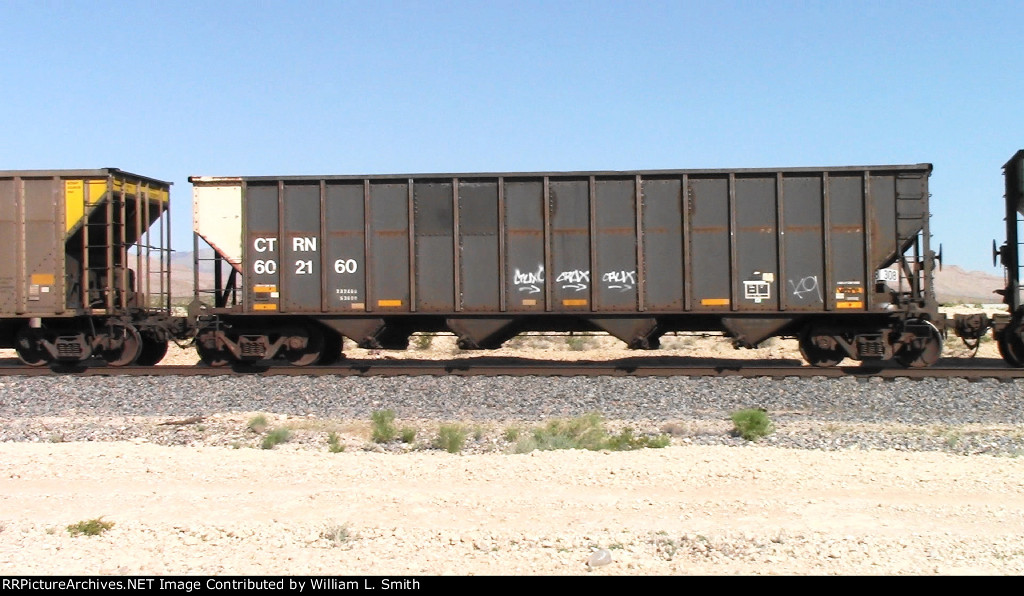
(619, 280)
(575, 280)
(528, 281)
(806, 285)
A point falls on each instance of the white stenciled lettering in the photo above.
(304, 244)
(346, 266)
(264, 267)
(264, 244)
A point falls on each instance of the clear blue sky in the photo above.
(172, 89)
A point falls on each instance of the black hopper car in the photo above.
(839, 258)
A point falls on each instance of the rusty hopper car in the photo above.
(838, 257)
(84, 276)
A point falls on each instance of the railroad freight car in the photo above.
(83, 275)
(837, 257)
(1008, 330)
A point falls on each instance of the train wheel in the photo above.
(212, 357)
(129, 350)
(206, 348)
(925, 355)
(1009, 355)
(29, 348)
(309, 354)
(1011, 348)
(821, 350)
(153, 351)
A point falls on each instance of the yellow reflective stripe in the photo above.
(849, 304)
(74, 203)
(264, 307)
(715, 302)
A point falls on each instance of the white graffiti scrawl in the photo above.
(527, 282)
(620, 280)
(806, 285)
(575, 280)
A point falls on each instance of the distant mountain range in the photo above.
(952, 284)
(955, 285)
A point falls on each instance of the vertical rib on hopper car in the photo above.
(838, 257)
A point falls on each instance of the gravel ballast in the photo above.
(861, 476)
(817, 413)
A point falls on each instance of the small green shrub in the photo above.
(92, 527)
(408, 434)
(276, 437)
(451, 437)
(584, 432)
(383, 426)
(511, 434)
(334, 443)
(626, 441)
(576, 343)
(751, 424)
(258, 423)
(422, 341)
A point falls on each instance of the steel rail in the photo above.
(637, 367)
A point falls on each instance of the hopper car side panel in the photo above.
(736, 242)
(755, 253)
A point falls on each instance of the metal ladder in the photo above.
(103, 251)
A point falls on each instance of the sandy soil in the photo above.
(680, 510)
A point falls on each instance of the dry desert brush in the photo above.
(91, 527)
(585, 432)
(276, 437)
(384, 430)
(451, 437)
(751, 424)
